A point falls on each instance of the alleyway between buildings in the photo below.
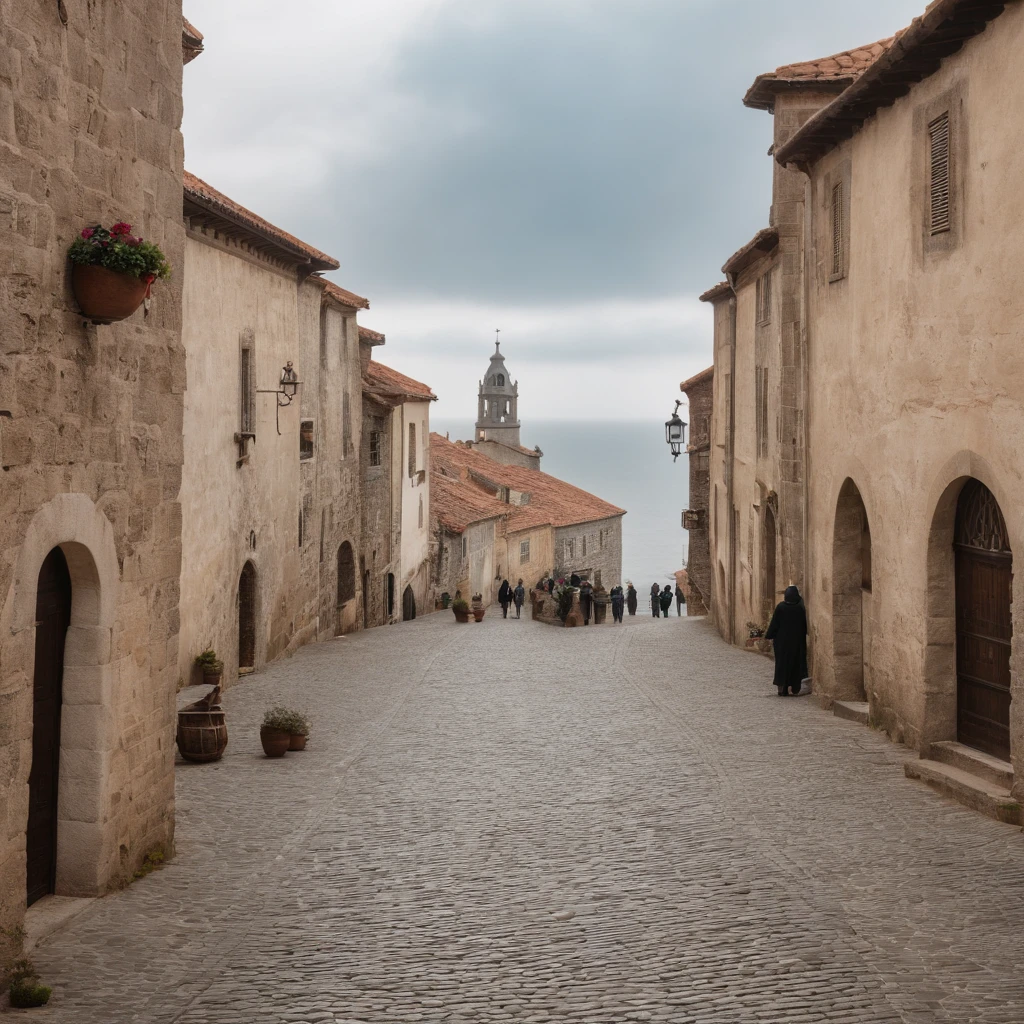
(509, 822)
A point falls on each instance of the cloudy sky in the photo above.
(574, 172)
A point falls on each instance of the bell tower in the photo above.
(497, 417)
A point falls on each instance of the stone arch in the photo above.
(852, 611)
(769, 558)
(87, 857)
(939, 717)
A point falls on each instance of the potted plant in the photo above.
(276, 731)
(298, 728)
(25, 991)
(478, 607)
(754, 633)
(211, 667)
(461, 610)
(113, 271)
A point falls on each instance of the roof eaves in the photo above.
(343, 297)
(720, 291)
(698, 378)
(191, 41)
(764, 242)
(762, 94)
(914, 55)
(371, 337)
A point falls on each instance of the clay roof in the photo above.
(382, 381)
(513, 447)
(763, 242)
(698, 378)
(201, 198)
(835, 72)
(553, 502)
(720, 291)
(916, 53)
(191, 41)
(370, 337)
(457, 504)
(347, 298)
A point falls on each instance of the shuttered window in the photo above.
(764, 298)
(838, 229)
(938, 134)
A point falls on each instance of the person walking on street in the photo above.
(618, 601)
(519, 596)
(504, 598)
(655, 600)
(631, 597)
(586, 601)
(680, 600)
(666, 600)
(788, 631)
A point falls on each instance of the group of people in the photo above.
(509, 595)
(661, 600)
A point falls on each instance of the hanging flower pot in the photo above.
(113, 272)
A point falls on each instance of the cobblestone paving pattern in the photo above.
(508, 822)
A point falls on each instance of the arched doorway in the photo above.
(984, 621)
(769, 586)
(247, 618)
(852, 608)
(408, 605)
(346, 582)
(53, 616)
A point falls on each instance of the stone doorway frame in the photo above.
(87, 851)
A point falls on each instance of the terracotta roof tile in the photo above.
(916, 53)
(372, 337)
(345, 297)
(698, 378)
(457, 504)
(836, 71)
(387, 383)
(720, 291)
(206, 197)
(553, 502)
(191, 41)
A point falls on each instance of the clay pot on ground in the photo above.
(298, 741)
(212, 674)
(478, 607)
(461, 614)
(275, 742)
(105, 296)
(202, 735)
(478, 614)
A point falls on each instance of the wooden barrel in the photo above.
(202, 735)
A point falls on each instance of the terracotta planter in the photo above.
(275, 743)
(478, 614)
(202, 735)
(298, 741)
(461, 616)
(212, 676)
(104, 296)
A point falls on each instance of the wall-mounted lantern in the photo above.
(286, 390)
(675, 432)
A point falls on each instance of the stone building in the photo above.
(497, 424)
(91, 447)
(699, 391)
(270, 492)
(910, 415)
(396, 503)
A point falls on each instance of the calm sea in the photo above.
(626, 463)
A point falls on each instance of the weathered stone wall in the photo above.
(416, 507)
(720, 514)
(591, 547)
(698, 563)
(916, 373)
(381, 521)
(92, 454)
(540, 562)
(471, 572)
(508, 456)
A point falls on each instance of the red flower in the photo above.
(121, 228)
(87, 232)
(131, 240)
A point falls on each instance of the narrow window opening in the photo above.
(764, 298)
(938, 133)
(421, 512)
(524, 552)
(375, 447)
(306, 439)
(346, 425)
(412, 449)
(837, 229)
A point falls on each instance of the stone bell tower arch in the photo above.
(497, 416)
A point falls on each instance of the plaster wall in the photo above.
(540, 561)
(698, 565)
(479, 563)
(415, 506)
(719, 512)
(92, 454)
(916, 373)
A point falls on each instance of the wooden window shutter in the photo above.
(938, 133)
(837, 229)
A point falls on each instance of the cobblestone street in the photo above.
(509, 822)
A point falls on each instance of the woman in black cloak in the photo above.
(788, 630)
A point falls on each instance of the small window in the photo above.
(938, 134)
(501, 380)
(600, 541)
(463, 547)
(412, 449)
(764, 298)
(376, 445)
(306, 439)
(570, 548)
(584, 547)
(346, 426)
(246, 390)
(524, 552)
(421, 512)
(838, 230)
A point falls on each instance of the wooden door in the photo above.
(984, 622)
(408, 605)
(247, 617)
(53, 616)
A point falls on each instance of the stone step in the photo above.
(974, 762)
(851, 710)
(967, 789)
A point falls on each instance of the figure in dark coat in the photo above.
(680, 601)
(666, 600)
(618, 602)
(586, 601)
(788, 631)
(631, 598)
(574, 580)
(504, 598)
(519, 596)
(655, 600)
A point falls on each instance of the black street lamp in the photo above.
(675, 432)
